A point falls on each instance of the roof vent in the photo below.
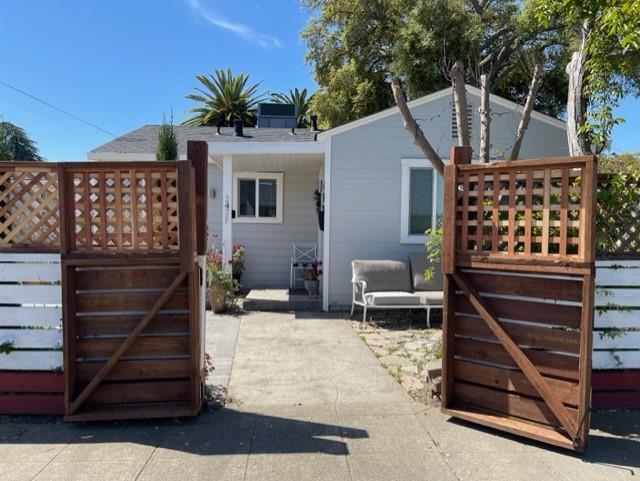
(281, 116)
(454, 122)
(238, 124)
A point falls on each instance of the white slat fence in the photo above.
(30, 312)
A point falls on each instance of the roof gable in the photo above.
(495, 99)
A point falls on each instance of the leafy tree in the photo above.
(604, 66)
(623, 163)
(350, 94)
(167, 148)
(15, 144)
(223, 98)
(350, 46)
(356, 47)
(301, 100)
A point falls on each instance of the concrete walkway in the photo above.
(309, 402)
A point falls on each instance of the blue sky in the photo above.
(122, 63)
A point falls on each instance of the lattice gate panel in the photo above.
(29, 207)
(134, 207)
(519, 284)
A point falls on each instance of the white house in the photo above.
(379, 193)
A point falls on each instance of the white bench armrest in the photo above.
(359, 288)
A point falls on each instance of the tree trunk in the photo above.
(410, 124)
(575, 103)
(536, 80)
(460, 102)
(485, 119)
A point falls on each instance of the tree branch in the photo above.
(485, 119)
(578, 144)
(492, 39)
(410, 124)
(460, 102)
(536, 80)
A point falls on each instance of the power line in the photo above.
(79, 119)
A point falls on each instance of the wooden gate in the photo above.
(131, 288)
(518, 259)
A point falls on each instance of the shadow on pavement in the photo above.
(225, 431)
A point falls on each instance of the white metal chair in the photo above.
(304, 255)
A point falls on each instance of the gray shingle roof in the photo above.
(145, 139)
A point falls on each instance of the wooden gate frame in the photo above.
(192, 203)
(569, 433)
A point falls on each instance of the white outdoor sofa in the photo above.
(388, 284)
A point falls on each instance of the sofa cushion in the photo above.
(430, 298)
(383, 275)
(392, 298)
(419, 263)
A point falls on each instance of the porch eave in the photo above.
(265, 148)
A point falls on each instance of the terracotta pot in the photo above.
(217, 298)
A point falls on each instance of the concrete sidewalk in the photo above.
(310, 402)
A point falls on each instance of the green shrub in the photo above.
(167, 142)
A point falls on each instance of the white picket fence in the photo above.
(616, 336)
(30, 312)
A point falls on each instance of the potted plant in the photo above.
(311, 278)
(222, 287)
(317, 199)
(237, 262)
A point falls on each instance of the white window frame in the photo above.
(405, 200)
(257, 176)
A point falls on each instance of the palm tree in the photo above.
(300, 100)
(223, 99)
(15, 144)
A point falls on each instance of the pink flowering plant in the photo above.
(237, 261)
(217, 277)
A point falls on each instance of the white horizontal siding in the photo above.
(30, 294)
(49, 316)
(616, 360)
(31, 360)
(620, 319)
(214, 206)
(32, 338)
(618, 277)
(616, 340)
(29, 257)
(23, 272)
(616, 336)
(618, 296)
(30, 311)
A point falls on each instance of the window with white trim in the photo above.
(258, 197)
(421, 200)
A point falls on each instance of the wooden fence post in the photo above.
(197, 154)
(186, 215)
(458, 156)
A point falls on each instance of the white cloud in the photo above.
(242, 31)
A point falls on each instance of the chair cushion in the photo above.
(392, 298)
(383, 275)
(419, 263)
(430, 298)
